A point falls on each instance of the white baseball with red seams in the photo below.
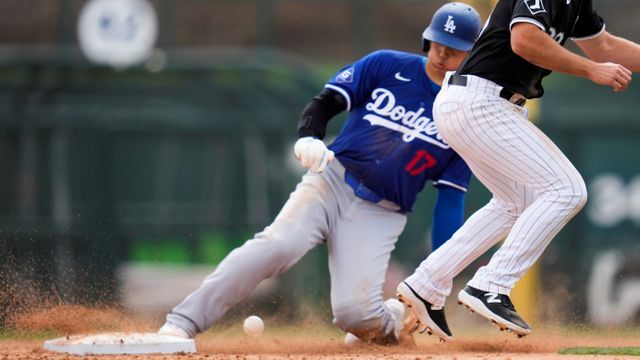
(536, 190)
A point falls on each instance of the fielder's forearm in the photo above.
(537, 47)
(611, 48)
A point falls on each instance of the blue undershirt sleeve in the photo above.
(448, 215)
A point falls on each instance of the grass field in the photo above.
(625, 351)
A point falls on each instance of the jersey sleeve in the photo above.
(457, 174)
(536, 12)
(589, 24)
(356, 81)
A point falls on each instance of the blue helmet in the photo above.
(456, 25)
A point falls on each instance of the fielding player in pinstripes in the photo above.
(357, 204)
(536, 190)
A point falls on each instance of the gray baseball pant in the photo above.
(360, 236)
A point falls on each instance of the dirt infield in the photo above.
(216, 346)
(308, 343)
(303, 341)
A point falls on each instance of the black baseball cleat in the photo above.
(429, 318)
(496, 307)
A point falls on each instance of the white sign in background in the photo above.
(611, 298)
(118, 33)
(612, 200)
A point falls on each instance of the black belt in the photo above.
(514, 98)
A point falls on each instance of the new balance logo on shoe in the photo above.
(492, 298)
(498, 308)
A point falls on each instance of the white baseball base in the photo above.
(120, 343)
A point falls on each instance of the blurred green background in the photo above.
(128, 185)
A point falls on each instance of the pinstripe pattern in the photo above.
(536, 191)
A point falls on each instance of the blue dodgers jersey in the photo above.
(390, 142)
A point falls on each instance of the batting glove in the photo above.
(312, 153)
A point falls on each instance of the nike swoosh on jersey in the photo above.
(399, 77)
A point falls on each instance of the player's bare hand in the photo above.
(610, 74)
(312, 153)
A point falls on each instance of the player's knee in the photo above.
(573, 201)
(581, 196)
(578, 194)
(583, 200)
(574, 195)
(357, 318)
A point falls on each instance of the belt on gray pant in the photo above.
(363, 192)
(512, 97)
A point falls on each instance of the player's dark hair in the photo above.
(316, 115)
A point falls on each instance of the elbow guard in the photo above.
(316, 115)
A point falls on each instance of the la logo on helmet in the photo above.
(450, 25)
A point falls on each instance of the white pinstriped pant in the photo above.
(536, 190)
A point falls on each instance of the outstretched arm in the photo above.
(310, 149)
(607, 47)
(448, 215)
(537, 47)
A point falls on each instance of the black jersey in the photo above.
(492, 58)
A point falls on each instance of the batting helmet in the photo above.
(455, 25)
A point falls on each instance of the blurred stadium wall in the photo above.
(111, 177)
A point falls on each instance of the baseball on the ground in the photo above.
(253, 325)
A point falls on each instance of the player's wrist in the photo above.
(307, 132)
(589, 70)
